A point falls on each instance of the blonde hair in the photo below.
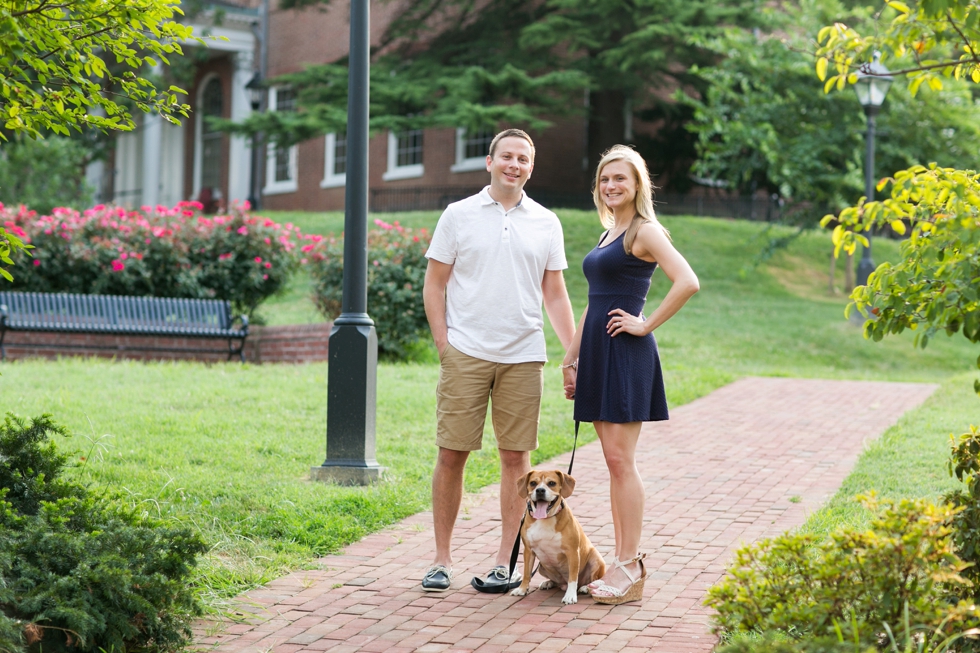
(507, 133)
(643, 202)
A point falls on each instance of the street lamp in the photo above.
(352, 370)
(256, 91)
(871, 87)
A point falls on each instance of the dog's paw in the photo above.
(570, 598)
(584, 589)
(547, 585)
(520, 591)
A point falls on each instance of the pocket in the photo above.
(445, 352)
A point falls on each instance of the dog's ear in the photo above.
(522, 484)
(567, 484)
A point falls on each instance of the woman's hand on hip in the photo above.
(622, 322)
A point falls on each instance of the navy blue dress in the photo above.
(619, 379)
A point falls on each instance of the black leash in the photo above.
(515, 552)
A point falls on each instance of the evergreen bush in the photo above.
(158, 252)
(396, 272)
(81, 570)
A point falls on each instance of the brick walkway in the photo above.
(747, 461)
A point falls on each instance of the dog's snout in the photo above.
(541, 491)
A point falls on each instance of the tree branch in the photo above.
(966, 41)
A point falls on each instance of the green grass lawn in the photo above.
(228, 447)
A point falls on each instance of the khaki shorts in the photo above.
(466, 384)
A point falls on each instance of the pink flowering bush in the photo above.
(396, 271)
(161, 252)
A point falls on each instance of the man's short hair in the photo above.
(519, 133)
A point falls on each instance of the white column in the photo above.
(240, 151)
(152, 136)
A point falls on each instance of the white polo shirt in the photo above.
(493, 301)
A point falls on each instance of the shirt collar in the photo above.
(485, 198)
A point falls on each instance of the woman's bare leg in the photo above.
(626, 494)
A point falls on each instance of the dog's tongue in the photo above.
(540, 510)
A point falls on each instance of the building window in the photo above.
(404, 155)
(472, 149)
(335, 161)
(212, 105)
(280, 173)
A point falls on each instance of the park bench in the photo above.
(119, 315)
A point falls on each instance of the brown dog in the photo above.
(553, 536)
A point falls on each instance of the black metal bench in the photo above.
(118, 315)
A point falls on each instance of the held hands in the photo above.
(569, 374)
(622, 322)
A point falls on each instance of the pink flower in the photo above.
(268, 264)
(265, 276)
(243, 231)
(223, 257)
(303, 261)
(307, 248)
(258, 259)
(268, 241)
(36, 262)
(117, 265)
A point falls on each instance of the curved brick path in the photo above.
(721, 472)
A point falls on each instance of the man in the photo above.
(493, 258)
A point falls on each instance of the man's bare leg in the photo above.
(447, 494)
(513, 466)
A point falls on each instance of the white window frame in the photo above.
(273, 187)
(396, 171)
(464, 164)
(331, 180)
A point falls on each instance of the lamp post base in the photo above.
(865, 267)
(344, 475)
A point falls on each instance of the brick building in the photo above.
(161, 164)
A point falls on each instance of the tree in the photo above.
(77, 63)
(45, 173)
(763, 124)
(936, 285)
(518, 62)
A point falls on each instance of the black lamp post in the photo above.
(256, 91)
(871, 87)
(352, 371)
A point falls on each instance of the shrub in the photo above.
(44, 172)
(964, 464)
(157, 252)
(82, 570)
(857, 586)
(396, 272)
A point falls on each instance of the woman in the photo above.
(612, 369)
